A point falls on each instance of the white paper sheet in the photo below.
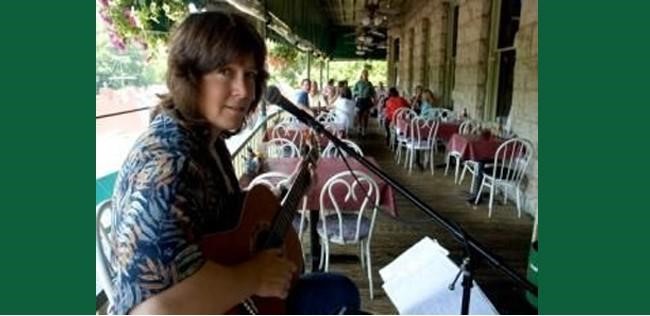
(417, 283)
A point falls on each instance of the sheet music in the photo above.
(417, 283)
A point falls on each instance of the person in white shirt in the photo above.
(317, 101)
(344, 107)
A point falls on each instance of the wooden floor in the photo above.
(504, 234)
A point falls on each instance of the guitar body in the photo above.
(239, 244)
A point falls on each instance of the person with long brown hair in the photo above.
(178, 184)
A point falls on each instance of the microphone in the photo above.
(274, 96)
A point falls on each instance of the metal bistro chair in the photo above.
(349, 226)
(331, 151)
(274, 181)
(510, 162)
(466, 128)
(421, 137)
(281, 148)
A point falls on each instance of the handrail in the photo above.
(122, 112)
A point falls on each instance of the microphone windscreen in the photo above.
(273, 95)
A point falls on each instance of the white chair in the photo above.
(281, 148)
(401, 130)
(447, 115)
(508, 169)
(326, 117)
(470, 165)
(396, 131)
(103, 248)
(289, 119)
(417, 140)
(466, 128)
(348, 226)
(332, 152)
(274, 181)
(287, 131)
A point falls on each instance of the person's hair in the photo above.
(302, 82)
(428, 96)
(392, 92)
(202, 43)
(345, 92)
(330, 82)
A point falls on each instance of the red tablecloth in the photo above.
(326, 168)
(475, 147)
(447, 129)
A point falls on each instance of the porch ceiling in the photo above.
(333, 26)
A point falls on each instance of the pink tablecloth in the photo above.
(328, 167)
(475, 147)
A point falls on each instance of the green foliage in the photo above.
(285, 63)
(130, 66)
(145, 21)
(288, 66)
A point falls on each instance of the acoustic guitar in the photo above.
(264, 223)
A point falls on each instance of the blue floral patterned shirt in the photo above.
(176, 184)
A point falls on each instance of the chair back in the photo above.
(447, 115)
(403, 115)
(331, 151)
(103, 249)
(287, 131)
(468, 127)
(289, 119)
(422, 131)
(345, 200)
(272, 180)
(324, 117)
(511, 160)
(281, 148)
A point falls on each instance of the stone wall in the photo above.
(471, 57)
(415, 17)
(471, 64)
(524, 100)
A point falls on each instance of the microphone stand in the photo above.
(471, 245)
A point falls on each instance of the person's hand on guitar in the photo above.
(270, 273)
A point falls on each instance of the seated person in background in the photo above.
(178, 186)
(427, 111)
(330, 92)
(317, 101)
(416, 99)
(302, 96)
(393, 103)
(344, 107)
